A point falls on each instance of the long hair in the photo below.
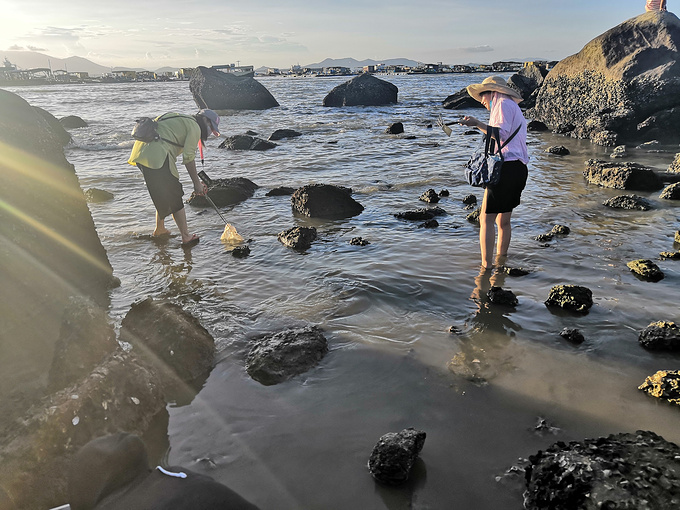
(201, 121)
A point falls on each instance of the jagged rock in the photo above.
(499, 296)
(225, 192)
(661, 336)
(429, 224)
(671, 192)
(558, 150)
(113, 472)
(325, 201)
(280, 191)
(278, 357)
(571, 297)
(85, 339)
(630, 202)
(664, 384)
(430, 196)
(174, 341)
(298, 238)
(461, 100)
(632, 471)
(420, 214)
(628, 176)
(619, 152)
(646, 269)
(573, 335)
(280, 134)
(362, 90)
(72, 122)
(94, 195)
(224, 91)
(616, 82)
(245, 143)
(358, 241)
(395, 453)
(395, 129)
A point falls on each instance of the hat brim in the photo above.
(477, 89)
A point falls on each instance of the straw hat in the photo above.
(493, 84)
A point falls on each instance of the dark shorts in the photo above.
(165, 189)
(505, 196)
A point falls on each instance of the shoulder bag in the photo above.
(483, 170)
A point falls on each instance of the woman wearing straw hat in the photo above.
(499, 201)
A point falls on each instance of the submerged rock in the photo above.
(420, 214)
(560, 230)
(359, 241)
(499, 296)
(573, 335)
(664, 384)
(395, 128)
(632, 471)
(558, 150)
(240, 252)
(224, 91)
(660, 336)
(362, 90)
(646, 269)
(429, 224)
(278, 357)
(571, 297)
(325, 201)
(395, 453)
(514, 271)
(280, 191)
(72, 122)
(245, 143)
(224, 192)
(298, 238)
(628, 176)
(430, 196)
(630, 202)
(280, 134)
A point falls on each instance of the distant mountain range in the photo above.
(354, 63)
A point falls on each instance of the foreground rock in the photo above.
(245, 143)
(571, 297)
(325, 201)
(225, 192)
(298, 238)
(646, 269)
(665, 384)
(276, 358)
(114, 471)
(660, 336)
(362, 90)
(633, 471)
(223, 91)
(622, 85)
(628, 176)
(394, 455)
(180, 349)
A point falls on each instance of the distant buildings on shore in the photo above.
(10, 75)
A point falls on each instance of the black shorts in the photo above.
(505, 195)
(165, 189)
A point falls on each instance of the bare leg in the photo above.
(504, 233)
(487, 234)
(160, 226)
(180, 218)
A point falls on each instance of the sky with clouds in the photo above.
(152, 33)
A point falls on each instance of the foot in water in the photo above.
(192, 241)
(160, 233)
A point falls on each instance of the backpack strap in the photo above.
(494, 135)
(163, 117)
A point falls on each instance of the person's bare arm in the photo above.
(199, 187)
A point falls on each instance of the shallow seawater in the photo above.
(386, 308)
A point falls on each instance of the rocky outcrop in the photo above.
(362, 90)
(225, 192)
(570, 297)
(224, 91)
(50, 251)
(298, 238)
(671, 192)
(628, 176)
(664, 384)
(429, 196)
(55, 126)
(325, 201)
(278, 357)
(629, 202)
(632, 471)
(646, 269)
(622, 85)
(661, 336)
(245, 143)
(527, 82)
(395, 453)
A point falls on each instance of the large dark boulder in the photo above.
(114, 470)
(461, 100)
(224, 91)
(59, 131)
(173, 341)
(325, 201)
(628, 176)
(395, 453)
(225, 192)
(611, 89)
(278, 357)
(362, 90)
(527, 81)
(631, 471)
